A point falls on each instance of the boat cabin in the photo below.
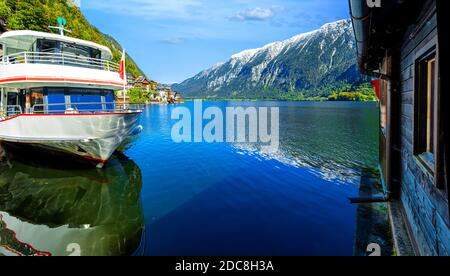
(403, 43)
(54, 100)
(40, 43)
(50, 73)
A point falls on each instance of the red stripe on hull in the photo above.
(29, 79)
(69, 115)
(94, 159)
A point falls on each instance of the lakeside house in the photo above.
(403, 44)
(144, 88)
(167, 95)
(145, 84)
(142, 82)
(122, 97)
(130, 80)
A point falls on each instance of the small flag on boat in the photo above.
(122, 69)
(123, 76)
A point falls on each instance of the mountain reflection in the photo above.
(45, 210)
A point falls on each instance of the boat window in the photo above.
(98, 98)
(91, 102)
(12, 99)
(76, 50)
(48, 46)
(53, 46)
(80, 99)
(37, 100)
(12, 103)
(56, 102)
(109, 96)
(96, 54)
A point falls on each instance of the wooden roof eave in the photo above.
(378, 29)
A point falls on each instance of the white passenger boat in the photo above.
(57, 93)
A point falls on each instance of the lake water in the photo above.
(164, 198)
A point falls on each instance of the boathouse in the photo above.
(403, 44)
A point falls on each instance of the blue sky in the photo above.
(173, 40)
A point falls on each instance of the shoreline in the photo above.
(268, 100)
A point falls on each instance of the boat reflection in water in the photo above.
(47, 210)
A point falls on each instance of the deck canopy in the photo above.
(24, 40)
(380, 28)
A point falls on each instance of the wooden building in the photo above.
(403, 43)
(122, 97)
(167, 95)
(141, 81)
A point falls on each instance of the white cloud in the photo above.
(149, 8)
(74, 3)
(257, 14)
(174, 40)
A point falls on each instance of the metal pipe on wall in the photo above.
(360, 15)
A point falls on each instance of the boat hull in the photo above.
(94, 137)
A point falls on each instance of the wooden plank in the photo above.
(407, 61)
(423, 209)
(407, 128)
(407, 110)
(408, 97)
(426, 182)
(443, 234)
(407, 146)
(416, 35)
(407, 74)
(408, 86)
(409, 200)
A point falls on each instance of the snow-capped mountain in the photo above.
(310, 64)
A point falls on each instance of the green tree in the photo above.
(37, 15)
(5, 10)
(29, 15)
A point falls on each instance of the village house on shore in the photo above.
(154, 92)
(404, 44)
(167, 95)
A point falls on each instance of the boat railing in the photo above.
(13, 110)
(86, 108)
(64, 59)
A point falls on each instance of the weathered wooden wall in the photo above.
(426, 206)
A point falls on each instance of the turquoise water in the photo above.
(164, 198)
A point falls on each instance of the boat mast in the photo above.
(62, 22)
(3, 106)
(125, 81)
(1, 97)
